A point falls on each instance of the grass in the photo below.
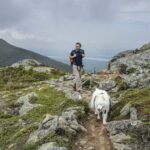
(15, 78)
(52, 101)
(139, 98)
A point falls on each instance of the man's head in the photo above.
(77, 46)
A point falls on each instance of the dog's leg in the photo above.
(96, 112)
(105, 117)
(98, 116)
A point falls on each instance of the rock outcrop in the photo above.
(32, 64)
(121, 134)
(24, 102)
(66, 123)
(135, 65)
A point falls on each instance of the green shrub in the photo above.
(122, 85)
(122, 68)
(131, 70)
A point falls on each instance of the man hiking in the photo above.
(76, 57)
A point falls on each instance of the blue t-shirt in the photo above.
(78, 58)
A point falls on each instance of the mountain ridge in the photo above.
(10, 54)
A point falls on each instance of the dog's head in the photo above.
(99, 108)
(99, 92)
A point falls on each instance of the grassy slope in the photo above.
(53, 102)
(139, 98)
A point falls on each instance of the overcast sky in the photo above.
(51, 27)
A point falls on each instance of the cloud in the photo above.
(51, 27)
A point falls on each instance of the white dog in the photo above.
(101, 103)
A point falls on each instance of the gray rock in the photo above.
(83, 142)
(51, 146)
(61, 79)
(68, 77)
(26, 106)
(120, 131)
(67, 122)
(118, 146)
(115, 127)
(128, 109)
(118, 141)
(107, 85)
(27, 63)
(120, 137)
(76, 96)
(145, 46)
(136, 66)
(125, 110)
(91, 148)
(133, 115)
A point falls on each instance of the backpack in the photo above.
(71, 60)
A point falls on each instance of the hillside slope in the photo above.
(10, 54)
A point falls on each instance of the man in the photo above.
(76, 57)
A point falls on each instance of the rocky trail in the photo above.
(96, 136)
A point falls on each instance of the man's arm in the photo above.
(72, 55)
(83, 53)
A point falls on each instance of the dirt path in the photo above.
(96, 137)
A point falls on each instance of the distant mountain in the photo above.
(10, 54)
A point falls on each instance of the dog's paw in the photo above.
(98, 119)
(104, 123)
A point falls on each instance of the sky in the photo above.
(51, 27)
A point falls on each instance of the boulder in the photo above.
(24, 102)
(125, 110)
(121, 134)
(51, 146)
(107, 85)
(66, 123)
(120, 137)
(133, 116)
(42, 69)
(74, 95)
(26, 63)
(118, 141)
(114, 127)
(118, 146)
(133, 113)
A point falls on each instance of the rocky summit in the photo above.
(135, 64)
(40, 111)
